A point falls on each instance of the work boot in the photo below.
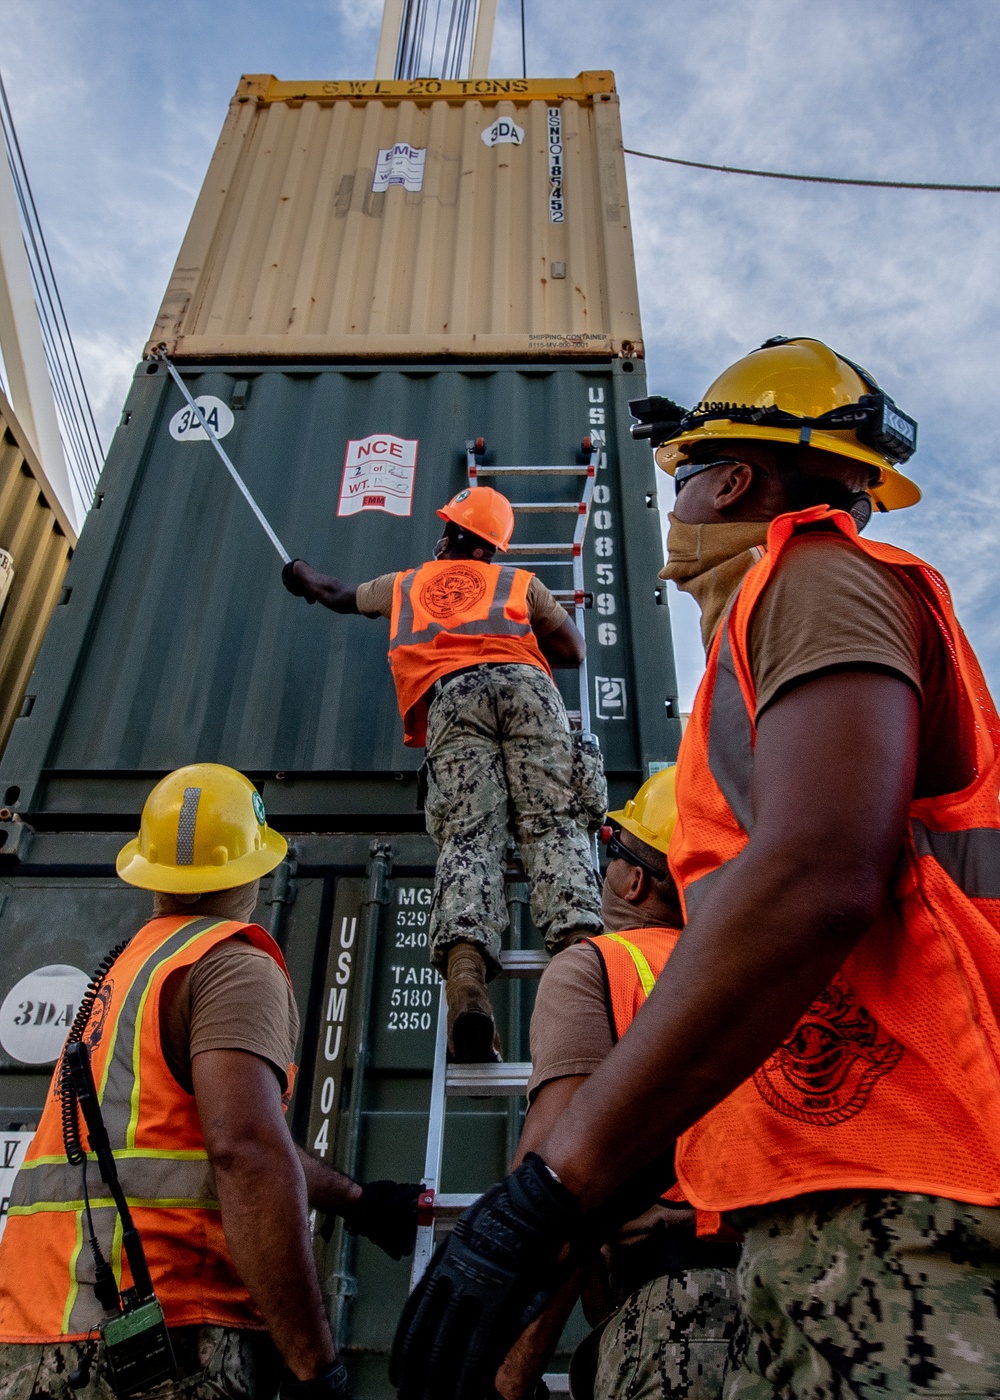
(472, 1032)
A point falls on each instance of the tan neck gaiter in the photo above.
(710, 562)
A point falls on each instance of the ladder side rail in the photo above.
(424, 1247)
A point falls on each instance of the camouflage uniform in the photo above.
(867, 1294)
(669, 1339)
(213, 1363)
(499, 749)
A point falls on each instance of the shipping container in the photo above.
(483, 218)
(36, 543)
(176, 642)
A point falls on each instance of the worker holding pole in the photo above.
(820, 1057)
(190, 1032)
(472, 646)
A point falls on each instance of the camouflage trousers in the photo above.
(213, 1363)
(500, 758)
(669, 1340)
(875, 1294)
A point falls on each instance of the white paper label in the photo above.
(12, 1149)
(503, 132)
(185, 427)
(399, 165)
(38, 1011)
(378, 475)
(557, 208)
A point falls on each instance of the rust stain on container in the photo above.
(407, 219)
(36, 533)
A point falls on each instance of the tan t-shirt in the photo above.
(571, 1023)
(234, 998)
(829, 605)
(374, 599)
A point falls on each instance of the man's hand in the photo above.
(295, 582)
(491, 1277)
(386, 1214)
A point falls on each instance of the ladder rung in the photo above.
(449, 1205)
(488, 1081)
(524, 962)
(549, 507)
(570, 548)
(570, 598)
(583, 469)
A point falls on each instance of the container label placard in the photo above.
(557, 207)
(503, 132)
(400, 164)
(378, 475)
(13, 1146)
(185, 425)
(38, 1011)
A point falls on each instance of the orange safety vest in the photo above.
(453, 613)
(46, 1265)
(632, 961)
(891, 1079)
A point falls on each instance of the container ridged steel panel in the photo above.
(290, 253)
(36, 532)
(178, 642)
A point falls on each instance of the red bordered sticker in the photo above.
(379, 472)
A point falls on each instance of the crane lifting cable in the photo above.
(161, 355)
(815, 179)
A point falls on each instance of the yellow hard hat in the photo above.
(203, 828)
(651, 814)
(800, 391)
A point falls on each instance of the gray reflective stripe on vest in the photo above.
(698, 889)
(971, 858)
(730, 737)
(177, 1180)
(119, 1080)
(495, 625)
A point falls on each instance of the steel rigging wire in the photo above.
(415, 58)
(815, 179)
(78, 429)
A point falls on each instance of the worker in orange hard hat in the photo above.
(471, 647)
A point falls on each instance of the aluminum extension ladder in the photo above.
(437, 1211)
(564, 554)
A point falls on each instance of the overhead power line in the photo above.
(816, 179)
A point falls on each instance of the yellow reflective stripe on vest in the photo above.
(646, 979)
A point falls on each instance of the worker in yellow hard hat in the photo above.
(820, 1053)
(191, 1029)
(472, 644)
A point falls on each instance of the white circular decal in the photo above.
(38, 1011)
(185, 427)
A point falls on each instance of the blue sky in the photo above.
(118, 106)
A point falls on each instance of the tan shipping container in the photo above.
(36, 542)
(485, 218)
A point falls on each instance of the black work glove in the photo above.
(490, 1278)
(386, 1214)
(331, 1384)
(296, 586)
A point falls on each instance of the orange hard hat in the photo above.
(483, 512)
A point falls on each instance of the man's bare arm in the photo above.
(833, 776)
(326, 1188)
(334, 594)
(564, 646)
(262, 1193)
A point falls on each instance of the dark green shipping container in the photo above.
(175, 642)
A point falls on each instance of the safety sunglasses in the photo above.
(616, 851)
(860, 507)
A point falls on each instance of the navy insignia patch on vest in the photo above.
(825, 1071)
(453, 590)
